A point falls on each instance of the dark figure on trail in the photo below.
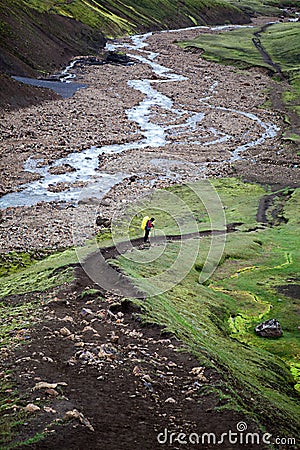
(148, 227)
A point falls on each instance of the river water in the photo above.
(85, 164)
(64, 89)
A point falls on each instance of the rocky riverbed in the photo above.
(213, 126)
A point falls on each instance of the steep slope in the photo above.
(14, 94)
(115, 17)
(33, 41)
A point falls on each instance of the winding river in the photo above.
(85, 164)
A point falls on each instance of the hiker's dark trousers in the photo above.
(146, 237)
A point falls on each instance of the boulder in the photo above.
(116, 58)
(31, 408)
(270, 328)
(103, 221)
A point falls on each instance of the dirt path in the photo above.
(266, 56)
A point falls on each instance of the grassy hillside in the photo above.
(264, 7)
(254, 281)
(117, 17)
(33, 41)
(281, 40)
(37, 34)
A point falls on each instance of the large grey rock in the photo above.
(116, 58)
(103, 221)
(270, 328)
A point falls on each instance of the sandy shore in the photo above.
(96, 116)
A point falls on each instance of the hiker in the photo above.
(148, 226)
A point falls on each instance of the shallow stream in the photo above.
(85, 164)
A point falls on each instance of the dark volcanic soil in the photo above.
(119, 382)
(14, 94)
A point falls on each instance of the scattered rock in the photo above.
(199, 372)
(116, 58)
(45, 385)
(86, 356)
(88, 201)
(103, 222)
(85, 312)
(170, 400)
(89, 329)
(270, 328)
(76, 415)
(114, 337)
(107, 351)
(47, 409)
(65, 331)
(31, 408)
(70, 415)
(51, 392)
(137, 371)
(105, 202)
(58, 170)
(47, 359)
(67, 319)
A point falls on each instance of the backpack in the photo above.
(144, 222)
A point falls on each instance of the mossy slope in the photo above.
(119, 17)
(216, 319)
(39, 276)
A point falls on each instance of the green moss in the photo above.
(233, 47)
(8, 397)
(4, 28)
(193, 20)
(88, 292)
(52, 271)
(265, 7)
(119, 17)
(295, 370)
(16, 320)
(15, 261)
(33, 440)
(288, 136)
(282, 42)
